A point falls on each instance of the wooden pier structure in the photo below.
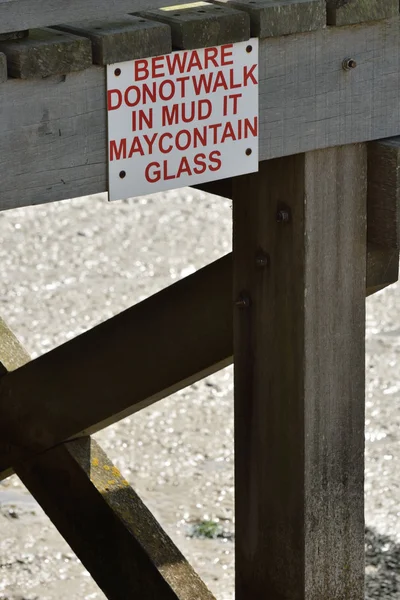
(315, 231)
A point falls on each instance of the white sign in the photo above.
(182, 119)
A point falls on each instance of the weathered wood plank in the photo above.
(348, 12)
(126, 39)
(201, 24)
(384, 193)
(25, 14)
(272, 18)
(147, 352)
(46, 52)
(107, 525)
(3, 68)
(299, 377)
(307, 101)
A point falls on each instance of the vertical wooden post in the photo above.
(299, 284)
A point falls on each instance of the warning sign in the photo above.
(182, 119)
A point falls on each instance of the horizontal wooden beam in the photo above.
(53, 139)
(25, 14)
(107, 525)
(195, 26)
(146, 353)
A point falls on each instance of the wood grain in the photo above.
(272, 18)
(384, 193)
(138, 357)
(25, 14)
(382, 267)
(348, 12)
(54, 146)
(107, 525)
(381, 271)
(46, 52)
(203, 26)
(299, 377)
(100, 516)
(126, 39)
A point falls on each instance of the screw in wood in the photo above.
(262, 259)
(243, 301)
(349, 63)
(283, 216)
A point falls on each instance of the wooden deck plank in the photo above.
(26, 14)
(107, 525)
(299, 377)
(195, 26)
(55, 147)
(272, 18)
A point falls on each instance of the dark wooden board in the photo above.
(108, 526)
(307, 101)
(384, 193)
(299, 377)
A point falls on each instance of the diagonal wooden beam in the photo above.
(149, 351)
(107, 525)
(142, 355)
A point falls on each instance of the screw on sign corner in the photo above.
(122, 174)
(117, 72)
(348, 64)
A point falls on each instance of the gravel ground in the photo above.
(70, 265)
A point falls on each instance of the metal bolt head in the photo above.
(283, 216)
(262, 259)
(348, 64)
(243, 301)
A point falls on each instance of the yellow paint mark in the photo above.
(106, 467)
(125, 482)
(95, 462)
(116, 472)
(111, 482)
(183, 6)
